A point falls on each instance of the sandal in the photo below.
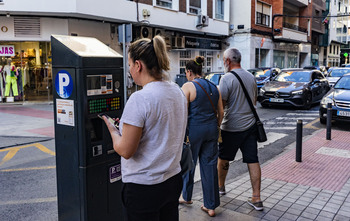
(210, 212)
(185, 202)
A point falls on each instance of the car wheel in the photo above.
(323, 120)
(308, 101)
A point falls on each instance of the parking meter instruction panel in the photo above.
(104, 95)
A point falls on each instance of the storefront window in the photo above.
(32, 62)
(185, 56)
(278, 59)
(261, 57)
(292, 60)
(208, 62)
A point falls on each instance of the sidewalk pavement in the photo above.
(316, 189)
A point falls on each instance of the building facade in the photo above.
(272, 33)
(190, 27)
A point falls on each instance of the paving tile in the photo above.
(316, 206)
(259, 214)
(285, 203)
(270, 205)
(298, 207)
(304, 219)
(312, 210)
(322, 218)
(237, 202)
(337, 197)
(280, 208)
(319, 202)
(225, 199)
(308, 215)
(330, 209)
(294, 211)
(244, 209)
(231, 206)
(302, 203)
(326, 214)
(270, 217)
(336, 201)
(275, 213)
(306, 199)
(288, 199)
(340, 218)
(288, 216)
(344, 213)
(275, 196)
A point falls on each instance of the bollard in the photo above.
(329, 121)
(299, 141)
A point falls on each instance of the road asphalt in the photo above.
(318, 188)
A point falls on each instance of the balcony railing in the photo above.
(294, 27)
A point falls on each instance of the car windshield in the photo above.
(260, 74)
(215, 78)
(343, 83)
(339, 72)
(296, 76)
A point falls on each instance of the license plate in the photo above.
(343, 113)
(277, 100)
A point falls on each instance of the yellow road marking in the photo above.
(9, 156)
(45, 149)
(30, 168)
(13, 150)
(311, 126)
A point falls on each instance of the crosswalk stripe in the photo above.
(302, 114)
(280, 128)
(281, 122)
(296, 118)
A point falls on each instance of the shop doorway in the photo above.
(32, 61)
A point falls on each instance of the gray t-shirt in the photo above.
(160, 108)
(238, 115)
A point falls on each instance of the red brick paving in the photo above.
(26, 111)
(317, 170)
(46, 131)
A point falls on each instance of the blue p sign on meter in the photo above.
(64, 84)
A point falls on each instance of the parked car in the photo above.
(299, 88)
(214, 77)
(347, 65)
(323, 69)
(335, 74)
(264, 75)
(339, 96)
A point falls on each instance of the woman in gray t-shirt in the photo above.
(152, 131)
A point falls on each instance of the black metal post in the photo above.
(299, 141)
(329, 121)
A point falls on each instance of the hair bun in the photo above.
(199, 60)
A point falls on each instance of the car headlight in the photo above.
(298, 92)
(327, 100)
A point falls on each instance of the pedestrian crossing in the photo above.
(289, 120)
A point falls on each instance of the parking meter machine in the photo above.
(88, 81)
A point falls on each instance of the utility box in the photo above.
(88, 80)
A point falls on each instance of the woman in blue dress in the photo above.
(205, 113)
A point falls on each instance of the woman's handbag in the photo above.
(259, 125)
(186, 158)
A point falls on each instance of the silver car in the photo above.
(335, 74)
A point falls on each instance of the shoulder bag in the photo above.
(259, 125)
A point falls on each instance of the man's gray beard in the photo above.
(226, 69)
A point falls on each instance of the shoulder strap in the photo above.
(247, 96)
(212, 104)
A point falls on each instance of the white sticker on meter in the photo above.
(115, 173)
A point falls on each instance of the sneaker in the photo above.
(257, 205)
(222, 191)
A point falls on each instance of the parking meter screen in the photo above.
(99, 84)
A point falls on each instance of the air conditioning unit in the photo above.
(202, 21)
(178, 42)
(146, 32)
